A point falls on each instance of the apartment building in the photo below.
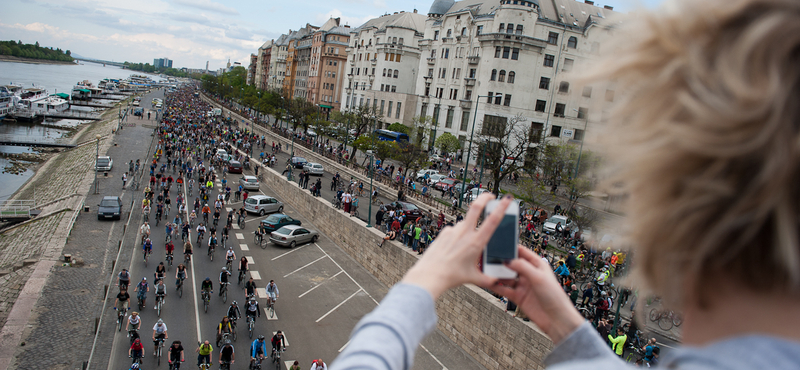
(383, 59)
(514, 55)
(282, 61)
(327, 65)
(251, 69)
(302, 63)
(262, 65)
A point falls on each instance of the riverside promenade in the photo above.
(47, 307)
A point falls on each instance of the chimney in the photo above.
(590, 2)
(609, 7)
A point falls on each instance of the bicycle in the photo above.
(257, 238)
(635, 355)
(250, 325)
(120, 318)
(160, 349)
(133, 333)
(229, 264)
(175, 365)
(211, 252)
(136, 360)
(158, 217)
(255, 364)
(240, 222)
(665, 318)
(276, 358)
(271, 307)
(145, 253)
(169, 261)
(206, 299)
(159, 303)
(242, 276)
(223, 291)
(179, 287)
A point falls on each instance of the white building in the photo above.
(513, 54)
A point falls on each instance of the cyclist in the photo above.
(207, 286)
(137, 350)
(142, 288)
(223, 278)
(147, 247)
(249, 288)
(242, 215)
(204, 353)
(176, 352)
(192, 217)
(258, 349)
(187, 249)
(223, 327)
(226, 354)
(180, 275)
(134, 322)
(243, 266)
(230, 255)
(121, 303)
(278, 342)
(225, 231)
(234, 314)
(159, 334)
(161, 270)
(206, 210)
(185, 230)
(252, 309)
(145, 230)
(201, 230)
(272, 291)
(124, 279)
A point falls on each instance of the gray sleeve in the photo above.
(582, 345)
(388, 337)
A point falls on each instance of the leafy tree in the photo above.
(382, 149)
(399, 127)
(447, 143)
(410, 156)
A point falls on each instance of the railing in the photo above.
(16, 208)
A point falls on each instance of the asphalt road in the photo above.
(323, 294)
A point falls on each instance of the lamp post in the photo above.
(96, 155)
(580, 152)
(371, 175)
(469, 151)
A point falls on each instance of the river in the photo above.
(56, 78)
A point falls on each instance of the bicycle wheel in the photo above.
(665, 322)
(158, 305)
(654, 315)
(272, 311)
(256, 239)
(159, 354)
(225, 296)
(205, 305)
(250, 328)
(677, 319)
(180, 290)
(119, 321)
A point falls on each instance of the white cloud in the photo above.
(208, 5)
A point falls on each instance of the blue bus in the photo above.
(387, 135)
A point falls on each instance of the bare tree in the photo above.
(505, 143)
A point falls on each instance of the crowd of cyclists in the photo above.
(185, 164)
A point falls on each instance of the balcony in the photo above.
(465, 104)
(474, 59)
(470, 81)
(352, 62)
(374, 61)
(431, 61)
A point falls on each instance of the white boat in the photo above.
(8, 99)
(85, 90)
(35, 103)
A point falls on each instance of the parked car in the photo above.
(235, 167)
(222, 154)
(104, 163)
(262, 204)
(549, 226)
(409, 209)
(135, 103)
(277, 221)
(421, 174)
(109, 207)
(475, 192)
(292, 235)
(138, 111)
(446, 184)
(298, 162)
(436, 178)
(249, 182)
(314, 168)
(435, 158)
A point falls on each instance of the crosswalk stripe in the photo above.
(262, 292)
(244, 247)
(255, 275)
(240, 236)
(250, 261)
(274, 318)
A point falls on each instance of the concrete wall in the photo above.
(471, 317)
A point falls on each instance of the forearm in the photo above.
(387, 338)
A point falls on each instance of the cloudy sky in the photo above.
(190, 32)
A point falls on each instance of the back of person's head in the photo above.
(705, 136)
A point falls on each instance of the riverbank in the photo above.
(13, 59)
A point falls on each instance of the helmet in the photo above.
(208, 278)
(134, 366)
(234, 303)
(260, 337)
(603, 294)
(224, 268)
(144, 279)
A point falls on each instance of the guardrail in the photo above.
(16, 208)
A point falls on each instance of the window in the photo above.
(502, 27)
(479, 30)
(449, 33)
(464, 31)
(506, 51)
(497, 51)
(368, 53)
(446, 53)
(382, 86)
(560, 108)
(519, 29)
(389, 111)
(449, 122)
(494, 126)
(515, 53)
(423, 110)
(583, 113)
(489, 98)
(510, 28)
(398, 110)
(563, 87)
(511, 76)
(502, 76)
(394, 88)
(540, 105)
(464, 120)
(472, 72)
(579, 134)
(395, 74)
(398, 58)
(544, 83)
(386, 56)
(609, 95)
(552, 38)
(494, 75)
(391, 57)
(468, 95)
(572, 42)
(587, 92)
(435, 35)
(400, 41)
(382, 104)
(549, 60)
(498, 99)
(433, 53)
(535, 133)
(384, 72)
(555, 131)
(507, 100)
(568, 64)
(394, 40)
(435, 118)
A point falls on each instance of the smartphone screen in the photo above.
(503, 244)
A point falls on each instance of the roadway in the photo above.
(323, 294)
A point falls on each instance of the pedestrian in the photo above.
(124, 179)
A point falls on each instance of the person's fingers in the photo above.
(533, 258)
(476, 209)
(524, 268)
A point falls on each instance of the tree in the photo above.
(410, 156)
(381, 149)
(364, 119)
(399, 127)
(447, 143)
(503, 144)
(535, 191)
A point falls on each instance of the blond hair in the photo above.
(706, 140)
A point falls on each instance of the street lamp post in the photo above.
(580, 153)
(96, 155)
(469, 151)
(371, 175)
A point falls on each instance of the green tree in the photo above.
(447, 143)
(399, 127)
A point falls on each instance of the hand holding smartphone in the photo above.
(502, 246)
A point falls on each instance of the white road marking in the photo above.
(306, 265)
(266, 313)
(293, 250)
(262, 292)
(662, 344)
(348, 275)
(250, 261)
(255, 275)
(244, 247)
(236, 227)
(288, 363)
(317, 286)
(338, 305)
(434, 357)
(229, 209)
(285, 338)
(239, 236)
(345, 345)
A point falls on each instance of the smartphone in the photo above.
(503, 244)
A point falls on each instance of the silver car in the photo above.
(104, 163)
(249, 182)
(292, 235)
(314, 168)
(262, 204)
